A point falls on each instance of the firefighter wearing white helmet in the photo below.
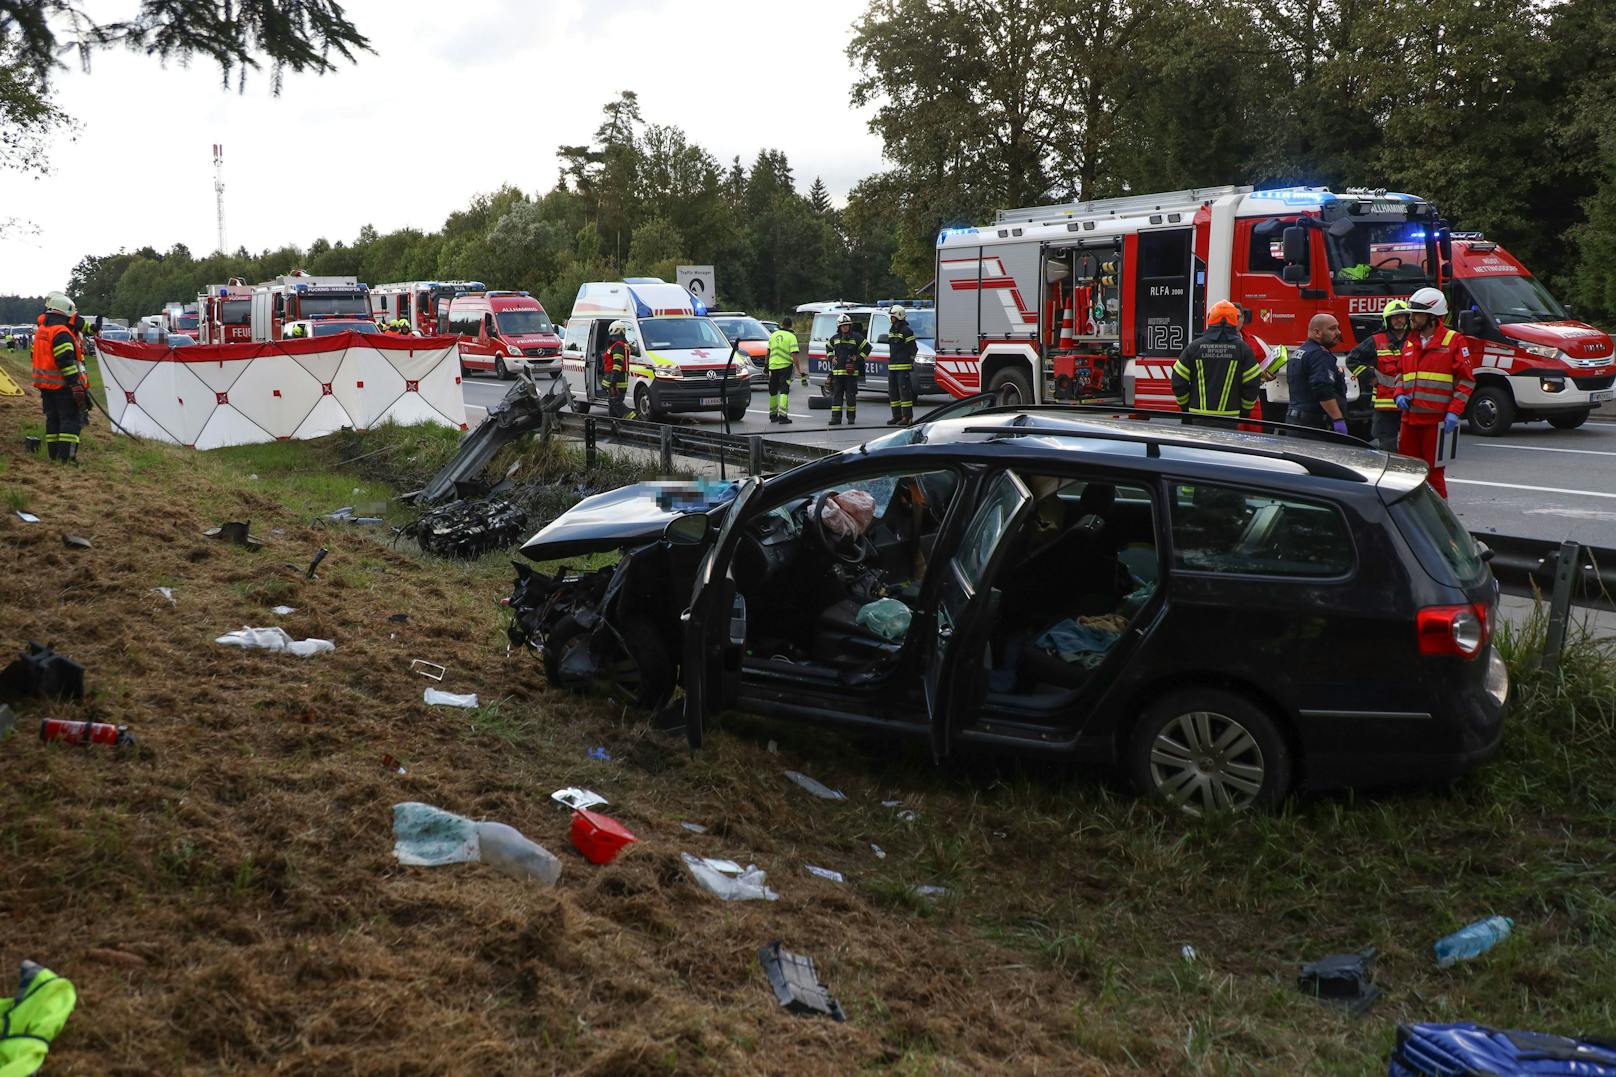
(614, 370)
(59, 376)
(901, 350)
(845, 352)
(1436, 381)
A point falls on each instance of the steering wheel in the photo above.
(1386, 263)
(848, 550)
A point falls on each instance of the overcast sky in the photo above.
(458, 98)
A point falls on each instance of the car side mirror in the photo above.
(691, 529)
(1472, 323)
(1570, 311)
(1294, 274)
(884, 338)
(1485, 550)
(634, 349)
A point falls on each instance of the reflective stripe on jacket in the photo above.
(782, 347)
(1387, 367)
(1217, 374)
(901, 347)
(56, 357)
(1436, 376)
(847, 354)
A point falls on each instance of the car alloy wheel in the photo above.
(1203, 761)
(1209, 750)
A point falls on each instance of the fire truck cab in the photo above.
(226, 312)
(419, 302)
(1534, 360)
(1095, 300)
(180, 318)
(297, 296)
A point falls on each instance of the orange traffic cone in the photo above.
(1067, 339)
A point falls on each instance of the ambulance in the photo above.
(682, 362)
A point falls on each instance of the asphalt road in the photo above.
(1537, 482)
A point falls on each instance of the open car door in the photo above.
(965, 606)
(716, 619)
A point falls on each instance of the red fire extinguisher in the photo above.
(85, 733)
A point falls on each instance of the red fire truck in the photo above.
(226, 312)
(423, 303)
(1535, 361)
(296, 296)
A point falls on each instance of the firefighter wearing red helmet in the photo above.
(1436, 384)
(1218, 374)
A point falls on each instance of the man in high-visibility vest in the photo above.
(1435, 382)
(783, 359)
(902, 347)
(1381, 351)
(60, 378)
(846, 352)
(1217, 374)
(614, 375)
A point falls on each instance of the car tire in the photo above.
(643, 409)
(1492, 412)
(1569, 420)
(500, 370)
(1012, 388)
(581, 407)
(641, 673)
(1207, 749)
(555, 375)
(736, 412)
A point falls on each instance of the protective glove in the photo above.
(1403, 402)
(805, 379)
(1450, 423)
(80, 396)
(1339, 426)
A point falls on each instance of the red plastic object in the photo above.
(85, 733)
(599, 837)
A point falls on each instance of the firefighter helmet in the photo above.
(843, 320)
(59, 301)
(898, 313)
(1396, 308)
(1225, 312)
(617, 329)
(298, 331)
(1428, 301)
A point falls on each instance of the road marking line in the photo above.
(1535, 489)
(1542, 448)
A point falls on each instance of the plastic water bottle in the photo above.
(1468, 942)
(509, 852)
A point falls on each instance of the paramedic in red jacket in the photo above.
(1436, 381)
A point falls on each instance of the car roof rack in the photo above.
(1312, 465)
(1226, 422)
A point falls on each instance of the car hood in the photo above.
(1576, 339)
(627, 516)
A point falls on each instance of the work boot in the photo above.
(851, 418)
(785, 419)
(836, 420)
(895, 420)
(774, 416)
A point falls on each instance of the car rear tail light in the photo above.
(1454, 630)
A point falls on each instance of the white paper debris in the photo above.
(824, 873)
(931, 893)
(27, 517)
(166, 592)
(577, 799)
(814, 787)
(275, 639)
(725, 867)
(694, 828)
(283, 611)
(1187, 952)
(450, 699)
(880, 853)
(748, 887)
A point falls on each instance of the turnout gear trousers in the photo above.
(63, 421)
(1218, 374)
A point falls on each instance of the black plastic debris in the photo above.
(468, 529)
(237, 531)
(1342, 980)
(399, 617)
(75, 542)
(40, 671)
(314, 564)
(796, 982)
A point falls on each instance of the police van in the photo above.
(873, 321)
(678, 356)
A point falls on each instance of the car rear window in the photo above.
(1254, 533)
(1434, 532)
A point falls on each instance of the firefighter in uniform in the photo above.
(614, 377)
(901, 351)
(783, 359)
(60, 378)
(1435, 382)
(1380, 351)
(297, 332)
(846, 352)
(1218, 373)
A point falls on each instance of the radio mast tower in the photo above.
(218, 189)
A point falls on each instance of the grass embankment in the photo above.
(225, 898)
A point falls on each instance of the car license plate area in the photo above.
(1599, 395)
(709, 401)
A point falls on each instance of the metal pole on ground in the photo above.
(589, 444)
(666, 435)
(1565, 573)
(754, 454)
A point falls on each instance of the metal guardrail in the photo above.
(1586, 575)
(758, 454)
